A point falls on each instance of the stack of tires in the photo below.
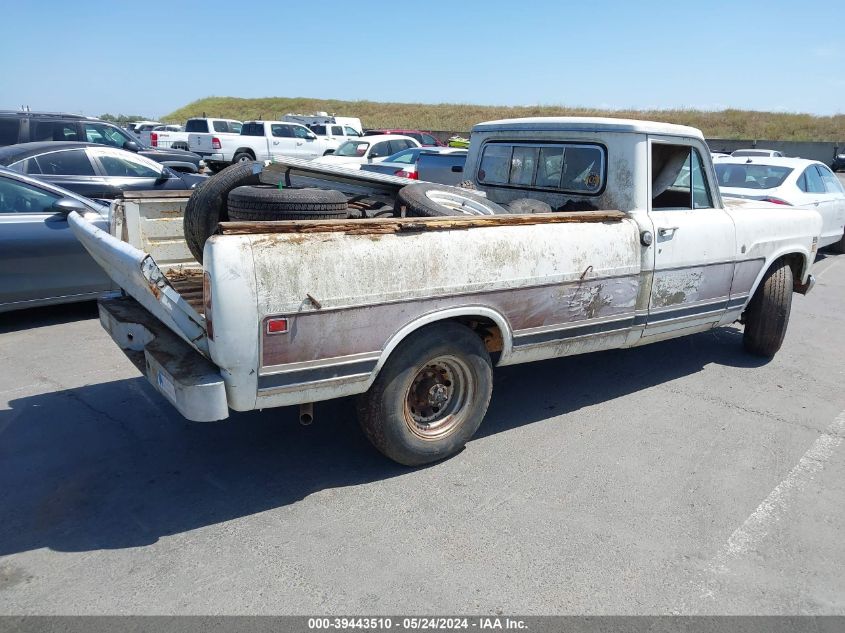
(236, 194)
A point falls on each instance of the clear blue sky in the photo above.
(152, 57)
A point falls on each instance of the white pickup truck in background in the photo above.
(260, 140)
(349, 126)
(179, 139)
(412, 313)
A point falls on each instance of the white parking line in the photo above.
(755, 528)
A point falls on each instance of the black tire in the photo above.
(767, 314)
(838, 247)
(272, 203)
(432, 200)
(206, 207)
(242, 157)
(442, 360)
(529, 205)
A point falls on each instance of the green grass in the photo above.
(745, 124)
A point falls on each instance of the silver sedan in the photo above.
(41, 262)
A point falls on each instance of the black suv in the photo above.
(27, 127)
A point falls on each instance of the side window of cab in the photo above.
(678, 178)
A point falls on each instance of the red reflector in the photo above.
(215, 143)
(153, 139)
(407, 174)
(277, 326)
(776, 201)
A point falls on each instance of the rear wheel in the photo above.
(430, 396)
(242, 157)
(767, 314)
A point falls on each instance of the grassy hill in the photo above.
(461, 117)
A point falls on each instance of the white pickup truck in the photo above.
(412, 313)
(260, 140)
(179, 138)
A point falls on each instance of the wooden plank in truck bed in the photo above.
(404, 225)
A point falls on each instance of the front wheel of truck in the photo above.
(767, 314)
(430, 396)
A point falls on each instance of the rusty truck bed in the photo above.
(188, 283)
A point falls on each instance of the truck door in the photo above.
(307, 143)
(282, 141)
(694, 240)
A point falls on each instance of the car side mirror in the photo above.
(66, 205)
(165, 174)
(311, 136)
(132, 146)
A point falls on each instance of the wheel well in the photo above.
(486, 329)
(796, 263)
(244, 150)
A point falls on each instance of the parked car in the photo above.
(788, 181)
(421, 308)
(405, 163)
(259, 140)
(423, 138)
(367, 150)
(136, 126)
(334, 134)
(145, 126)
(838, 161)
(92, 170)
(29, 127)
(41, 261)
(178, 139)
(324, 119)
(757, 152)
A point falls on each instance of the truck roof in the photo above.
(586, 124)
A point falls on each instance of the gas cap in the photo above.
(646, 238)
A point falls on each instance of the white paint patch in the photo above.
(754, 529)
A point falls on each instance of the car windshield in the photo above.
(751, 176)
(352, 148)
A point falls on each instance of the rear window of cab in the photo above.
(566, 167)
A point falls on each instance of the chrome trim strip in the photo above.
(320, 362)
(361, 368)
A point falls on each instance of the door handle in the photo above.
(663, 231)
(299, 143)
(275, 142)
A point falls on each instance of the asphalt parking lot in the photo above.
(681, 477)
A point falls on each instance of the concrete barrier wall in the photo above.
(821, 151)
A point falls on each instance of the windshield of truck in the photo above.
(196, 125)
(751, 176)
(352, 148)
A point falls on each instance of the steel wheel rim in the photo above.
(437, 397)
(457, 202)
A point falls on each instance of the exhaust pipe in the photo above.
(306, 413)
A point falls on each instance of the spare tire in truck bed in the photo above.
(431, 200)
(272, 203)
(206, 207)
